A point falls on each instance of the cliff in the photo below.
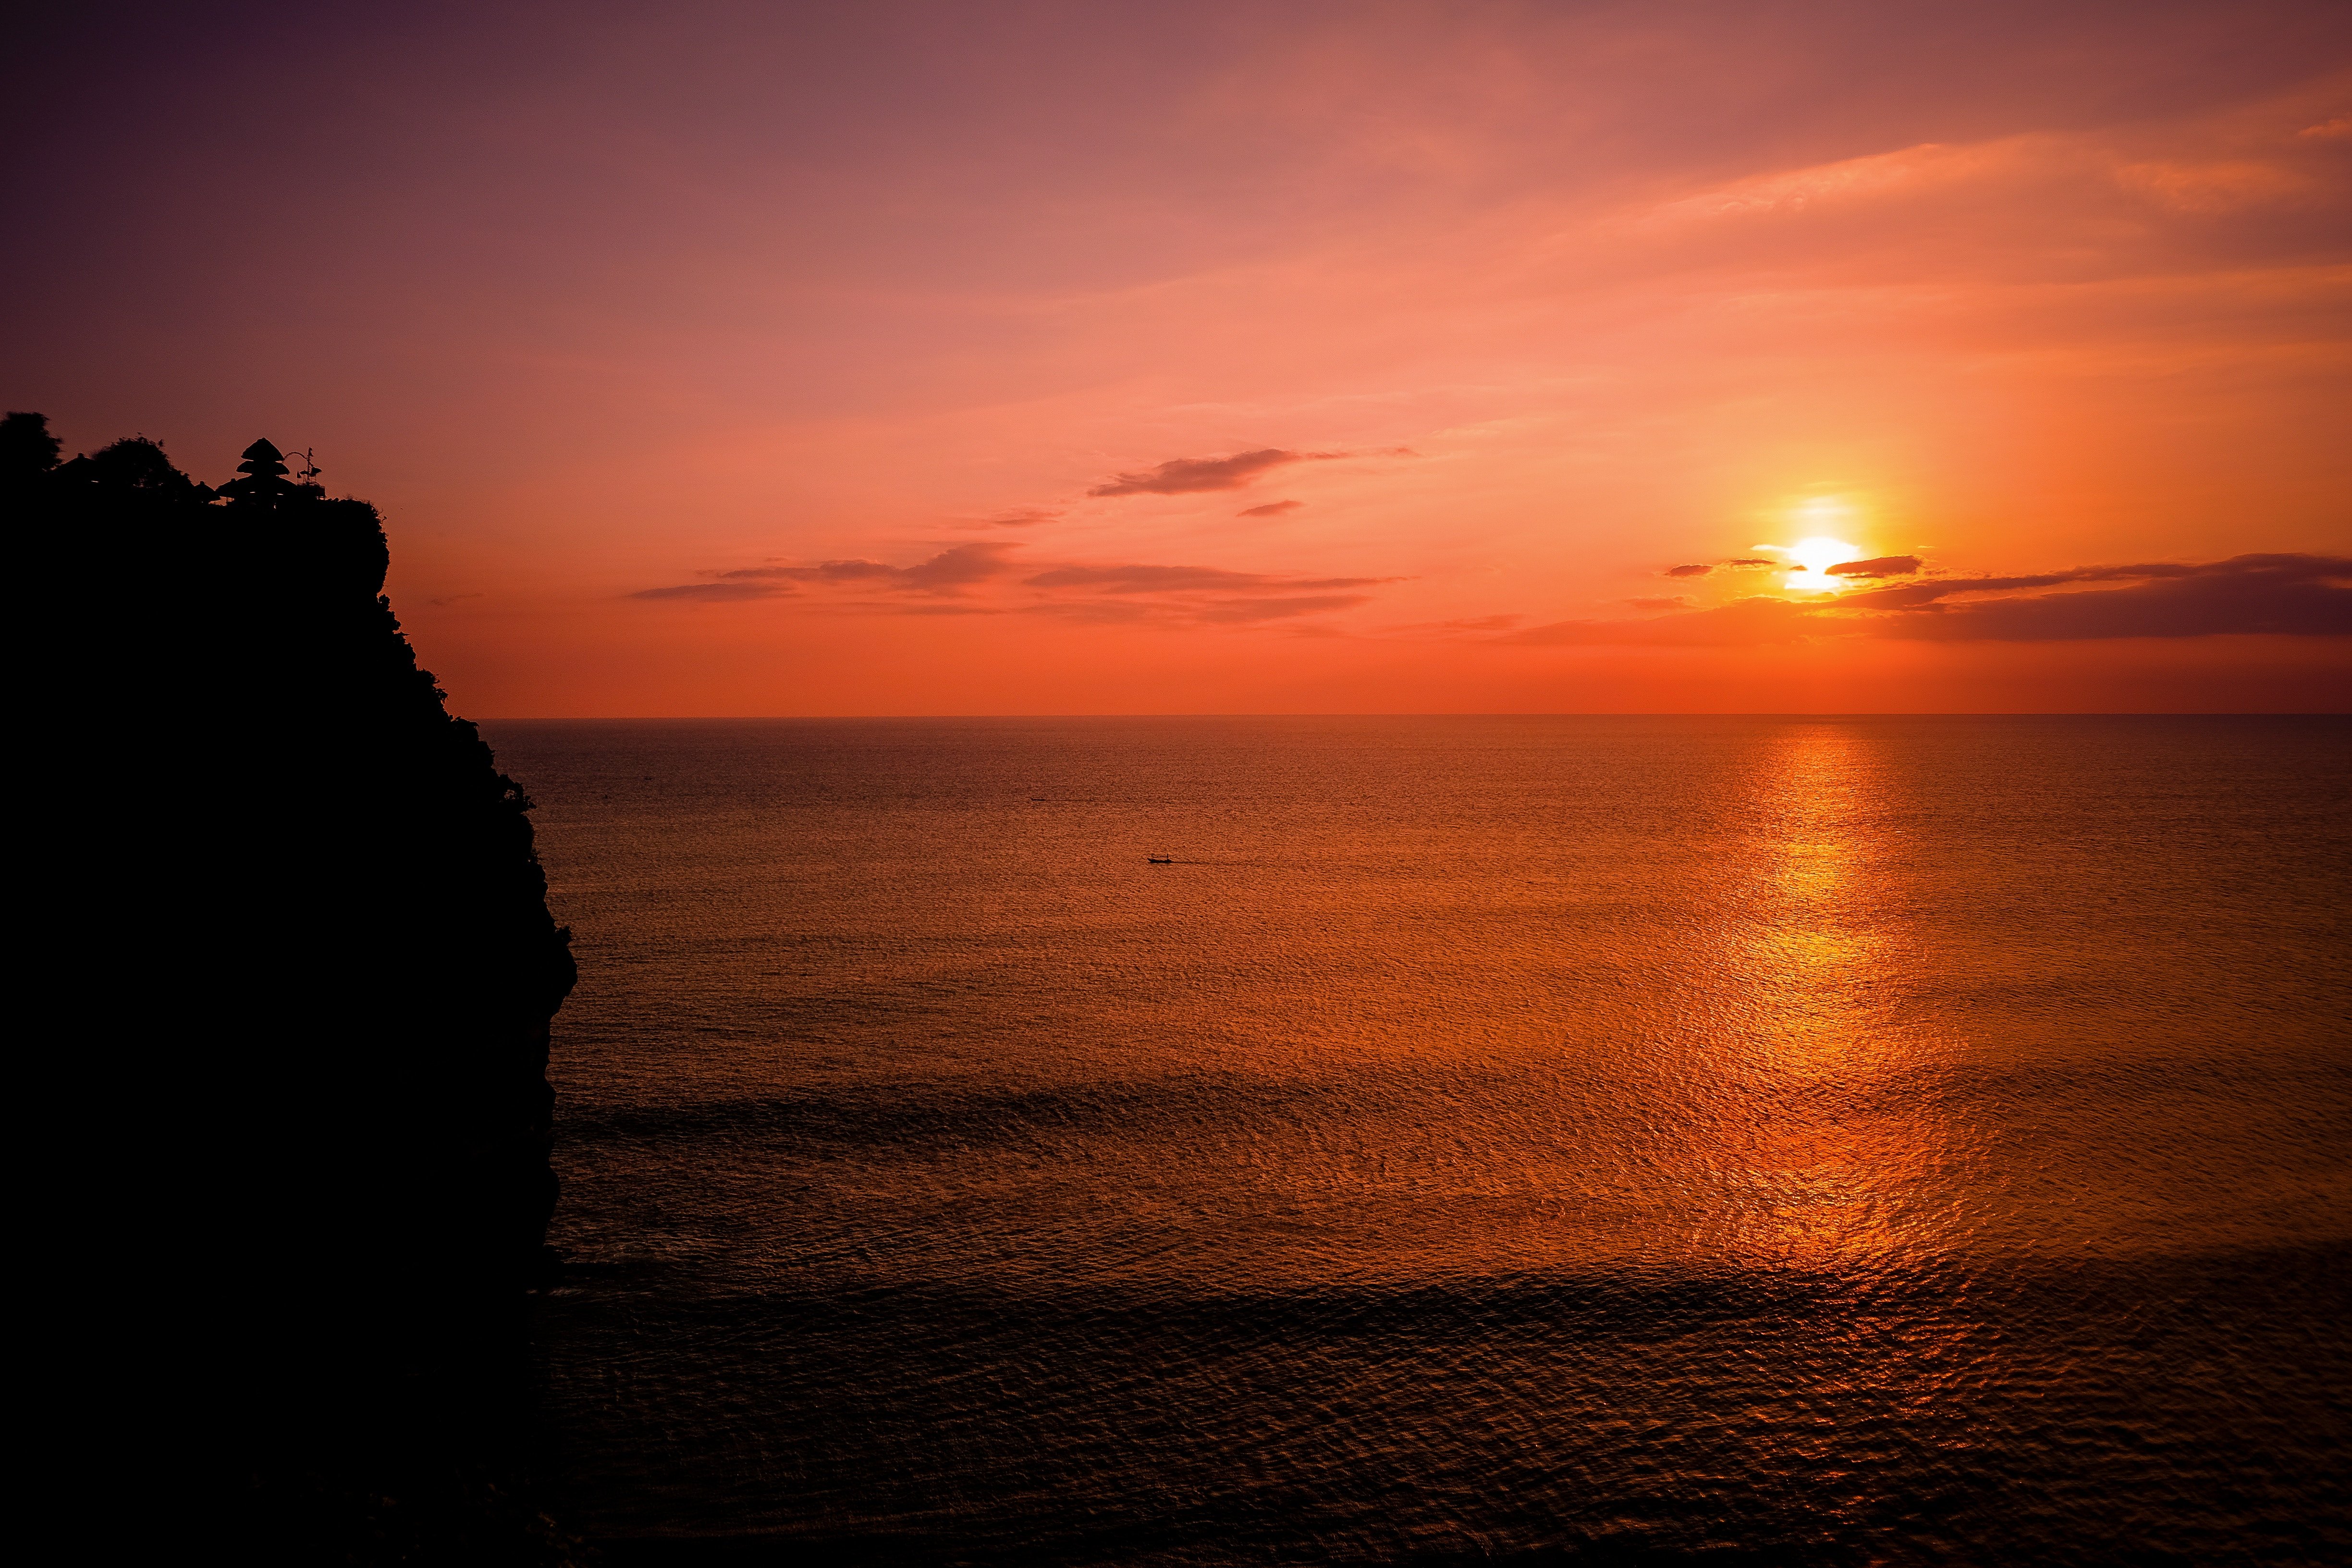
(296, 909)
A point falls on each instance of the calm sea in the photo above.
(1839, 1140)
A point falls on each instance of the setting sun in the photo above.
(1814, 557)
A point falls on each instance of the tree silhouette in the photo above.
(27, 448)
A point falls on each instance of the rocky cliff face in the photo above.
(321, 963)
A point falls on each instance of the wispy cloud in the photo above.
(1117, 593)
(1460, 626)
(950, 571)
(1139, 578)
(1192, 595)
(1701, 568)
(716, 593)
(1183, 476)
(1742, 624)
(1272, 509)
(1209, 611)
(1877, 566)
(1249, 612)
(1016, 517)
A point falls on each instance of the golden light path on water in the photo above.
(1819, 1153)
(1820, 1142)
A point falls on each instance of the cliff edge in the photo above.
(300, 913)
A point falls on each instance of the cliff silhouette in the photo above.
(321, 975)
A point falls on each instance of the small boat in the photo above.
(1160, 860)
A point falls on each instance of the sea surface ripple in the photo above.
(1643, 1140)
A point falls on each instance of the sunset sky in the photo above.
(961, 358)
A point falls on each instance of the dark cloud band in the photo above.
(2274, 596)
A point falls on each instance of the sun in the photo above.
(1821, 552)
(1813, 555)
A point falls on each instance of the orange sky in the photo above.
(1122, 358)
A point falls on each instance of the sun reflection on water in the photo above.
(1816, 1155)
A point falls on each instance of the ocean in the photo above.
(1217, 1141)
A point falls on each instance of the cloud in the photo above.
(1674, 602)
(1466, 624)
(950, 572)
(1198, 612)
(2274, 594)
(956, 567)
(1700, 568)
(708, 591)
(1098, 612)
(1248, 612)
(1183, 476)
(2212, 185)
(1017, 517)
(1141, 579)
(1877, 566)
(1875, 177)
(1272, 509)
(1742, 624)
(1117, 593)
(1930, 595)
(2278, 595)
(1190, 595)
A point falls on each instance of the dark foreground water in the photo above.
(1867, 1140)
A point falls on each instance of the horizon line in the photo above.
(1436, 713)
